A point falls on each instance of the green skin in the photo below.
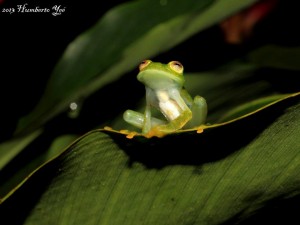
(165, 92)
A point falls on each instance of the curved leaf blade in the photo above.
(107, 179)
(252, 106)
(91, 61)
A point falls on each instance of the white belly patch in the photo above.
(168, 107)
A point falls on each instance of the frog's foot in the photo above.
(177, 124)
(162, 130)
(156, 132)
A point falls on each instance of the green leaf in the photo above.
(252, 107)
(115, 45)
(211, 178)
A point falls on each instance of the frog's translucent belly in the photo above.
(167, 106)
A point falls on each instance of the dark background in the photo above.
(31, 44)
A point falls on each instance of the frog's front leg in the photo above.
(174, 108)
(137, 119)
(144, 121)
(199, 111)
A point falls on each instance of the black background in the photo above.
(31, 44)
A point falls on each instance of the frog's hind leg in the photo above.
(199, 112)
(137, 119)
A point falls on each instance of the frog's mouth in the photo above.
(158, 79)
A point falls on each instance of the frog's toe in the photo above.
(156, 132)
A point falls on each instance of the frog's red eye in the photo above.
(176, 66)
(144, 64)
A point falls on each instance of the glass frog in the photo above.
(165, 91)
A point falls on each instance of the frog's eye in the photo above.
(144, 64)
(176, 66)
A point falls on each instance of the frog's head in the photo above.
(160, 76)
